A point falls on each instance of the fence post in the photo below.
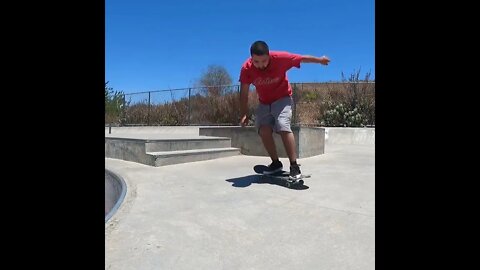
(189, 106)
(123, 119)
(294, 96)
(148, 112)
(296, 104)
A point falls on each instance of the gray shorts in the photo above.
(277, 115)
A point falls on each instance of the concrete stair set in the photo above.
(172, 145)
(160, 152)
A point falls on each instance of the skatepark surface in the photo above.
(217, 214)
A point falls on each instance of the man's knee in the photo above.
(265, 131)
(284, 132)
(283, 126)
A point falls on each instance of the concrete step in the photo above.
(162, 158)
(173, 143)
(186, 144)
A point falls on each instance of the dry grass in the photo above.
(312, 101)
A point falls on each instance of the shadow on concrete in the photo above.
(246, 181)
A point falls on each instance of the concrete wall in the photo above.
(308, 141)
(311, 141)
(348, 135)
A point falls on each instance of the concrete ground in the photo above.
(216, 214)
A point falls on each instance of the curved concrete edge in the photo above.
(123, 192)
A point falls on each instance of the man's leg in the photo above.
(282, 112)
(264, 122)
(289, 144)
(266, 133)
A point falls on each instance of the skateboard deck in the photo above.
(283, 176)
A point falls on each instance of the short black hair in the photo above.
(259, 48)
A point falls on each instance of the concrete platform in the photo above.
(150, 145)
(308, 141)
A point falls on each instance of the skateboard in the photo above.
(283, 176)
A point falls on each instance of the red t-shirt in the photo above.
(272, 83)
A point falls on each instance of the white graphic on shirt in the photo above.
(265, 81)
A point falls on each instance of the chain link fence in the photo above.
(315, 104)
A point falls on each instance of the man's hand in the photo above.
(324, 60)
(244, 103)
(244, 120)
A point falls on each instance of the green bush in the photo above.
(342, 116)
(114, 105)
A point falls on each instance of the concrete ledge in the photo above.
(115, 190)
(191, 130)
(348, 135)
(308, 141)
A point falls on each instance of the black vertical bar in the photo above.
(148, 113)
(189, 106)
(294, 104)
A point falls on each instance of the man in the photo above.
(267, 71)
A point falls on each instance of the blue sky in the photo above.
(154, 45)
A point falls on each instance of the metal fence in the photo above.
(315, 104)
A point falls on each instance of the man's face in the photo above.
(260, 61)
